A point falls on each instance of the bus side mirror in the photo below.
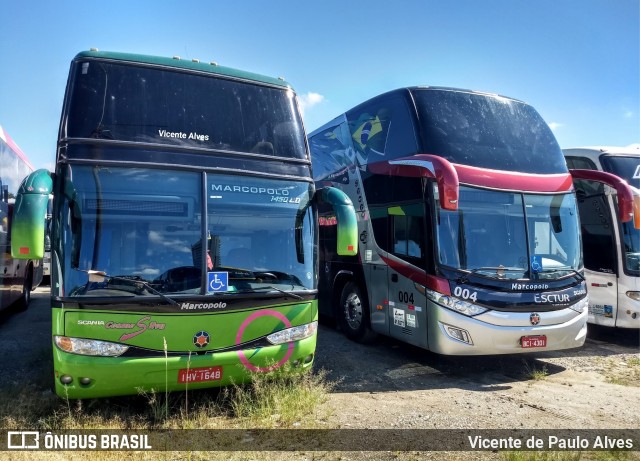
(628, 200)
(29, 211)
(347, 231)
(425, 166)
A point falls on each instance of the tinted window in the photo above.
(597, 234)
(487, 131)
(382, 130)
(627, 168)
(584, 188)
(331, 153)
(143, 104)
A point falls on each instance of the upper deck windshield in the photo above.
(159, 105)
(510, 235)
(628, 168)
(487, 131)
(143, 225)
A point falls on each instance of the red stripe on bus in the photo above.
(512, 180)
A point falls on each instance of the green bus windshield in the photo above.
(162, 105)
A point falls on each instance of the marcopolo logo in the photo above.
(249, 189)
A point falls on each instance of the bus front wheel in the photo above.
(354, 314)
(25, 296)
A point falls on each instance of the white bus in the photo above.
(18, 277)
(611, 249)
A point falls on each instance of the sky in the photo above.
(575, 61)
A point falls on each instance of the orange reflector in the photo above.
(24, 250)
(350, 247)
(64, 343)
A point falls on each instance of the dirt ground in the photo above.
(388, 384)
(394, 386)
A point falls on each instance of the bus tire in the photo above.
(354, 314)
(25, 297)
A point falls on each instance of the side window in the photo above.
(584, 188)
(380, 225)
(408, 232)
(598, 238)
(331, 151)
(382, 130)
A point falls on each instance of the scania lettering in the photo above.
(611, 247)
(172, 264)
(469, 239)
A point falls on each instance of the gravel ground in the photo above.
(388, 384)
(394, 386)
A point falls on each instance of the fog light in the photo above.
(85, 381)
(66, 379)
(458, 334)
(308, 358)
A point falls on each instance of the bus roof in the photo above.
(178, 63)
(409, 89)
(596, 151)
(14, 147)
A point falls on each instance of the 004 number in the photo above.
(465, 293)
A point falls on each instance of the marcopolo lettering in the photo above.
(529, 286)
(249, 189)
(204, 306)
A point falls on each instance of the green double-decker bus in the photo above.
(183, 227)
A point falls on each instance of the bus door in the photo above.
(373, 251)
(407, 306)
(600, 262)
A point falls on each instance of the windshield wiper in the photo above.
(269, 287)
(562, 268)
(499, 272)
(100, 276)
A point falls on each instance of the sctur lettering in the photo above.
(555, 298)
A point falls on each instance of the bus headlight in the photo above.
(293, 333)
(581, 305)
(455, 304)
(94, 347)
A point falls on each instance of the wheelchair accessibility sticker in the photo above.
(536, 264)
(217, 281)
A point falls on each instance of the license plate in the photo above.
(533, 341)
(199, 375)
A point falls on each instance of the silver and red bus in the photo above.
(467, 220)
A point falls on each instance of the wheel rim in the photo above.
(353, 311)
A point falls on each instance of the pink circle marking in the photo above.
(244, 326)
